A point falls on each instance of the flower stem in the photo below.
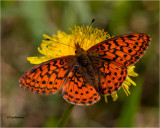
(65, 117)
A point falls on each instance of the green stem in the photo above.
(65, 117)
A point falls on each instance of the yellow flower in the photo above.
(62, 44)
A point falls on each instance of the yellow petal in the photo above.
(46, 37)
(114, 96)
(105, 98)
(38, 60)
(126, 89)
(131, 81)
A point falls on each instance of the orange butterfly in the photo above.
(100, 69)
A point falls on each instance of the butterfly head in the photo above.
(79, 50)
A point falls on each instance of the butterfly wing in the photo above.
(112, 77)
(48, 77)
(78, 91)
(123, 50)
(115, 55)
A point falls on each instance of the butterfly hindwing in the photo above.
(48, 77)
(78, 91)
(112, 77)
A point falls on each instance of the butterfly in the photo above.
(85, 76)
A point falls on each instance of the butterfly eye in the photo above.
(76, 52)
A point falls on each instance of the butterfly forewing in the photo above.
(48, 77)
(123, 50)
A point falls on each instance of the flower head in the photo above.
(63, 44)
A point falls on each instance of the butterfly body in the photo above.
(87, 66)
(101, 69)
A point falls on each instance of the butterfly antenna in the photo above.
(60, 43)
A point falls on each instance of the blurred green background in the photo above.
(22, 26)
